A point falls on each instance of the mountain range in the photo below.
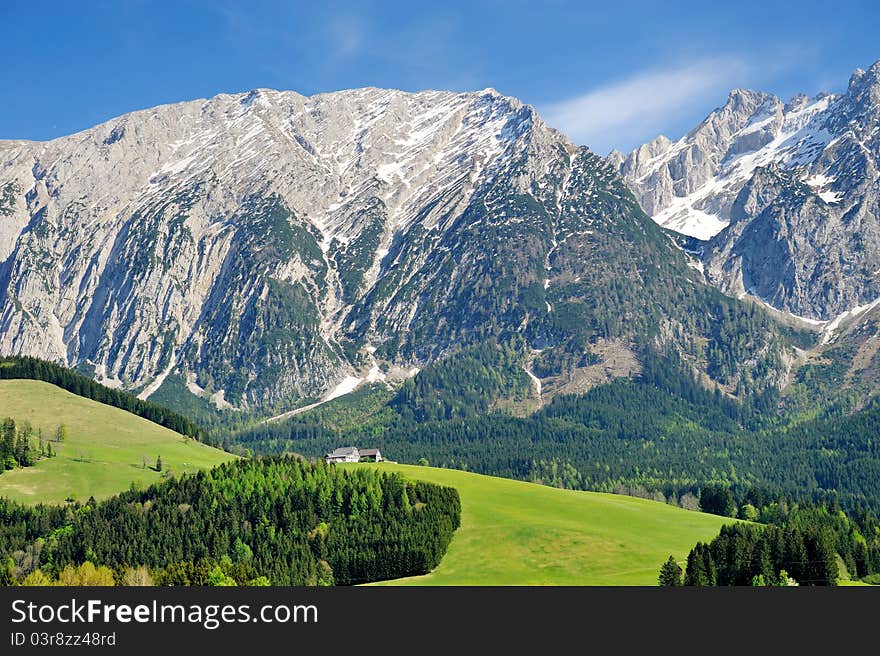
(263, 249)
(782, 199)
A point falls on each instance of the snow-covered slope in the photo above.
(689, 185)
(785, 195)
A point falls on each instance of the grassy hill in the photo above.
(517, 533)
(103, 452)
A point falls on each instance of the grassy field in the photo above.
(104, 450)
(516, 533)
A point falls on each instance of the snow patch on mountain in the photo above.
(831, 328)
(688, 185)
(682, 216)
(535, 381)
(785, 195)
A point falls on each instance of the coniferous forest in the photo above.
(661, 435)
(802, 546)
(275, 520)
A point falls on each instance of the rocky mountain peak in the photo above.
(266, 248)
(745, 100)
(808, 209)
(865, 88)
(797, 102)
(245, 242)
(856, 77)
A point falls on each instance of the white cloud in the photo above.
(627, 113)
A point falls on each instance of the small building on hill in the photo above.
(370, 455)
(343, 454)
(353, 454)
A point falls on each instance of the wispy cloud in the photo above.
(345, 35)
(626, 113)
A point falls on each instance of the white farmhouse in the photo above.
(343, 454)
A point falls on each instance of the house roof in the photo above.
(369, 452)
(343, 451)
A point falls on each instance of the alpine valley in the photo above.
(441, 279)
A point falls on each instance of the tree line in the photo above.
(36, 369)
(277, 519)
(805, 545)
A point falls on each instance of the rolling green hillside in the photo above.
(104, 450)
(517, 533)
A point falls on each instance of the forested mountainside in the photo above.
(661, 435)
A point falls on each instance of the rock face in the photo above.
(264, 246)
(784, 195)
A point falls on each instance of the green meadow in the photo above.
(104, 451)
(517, 533)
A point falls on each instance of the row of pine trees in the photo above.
(811, 545)
(49, 372)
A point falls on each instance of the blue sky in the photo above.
(610, 74)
